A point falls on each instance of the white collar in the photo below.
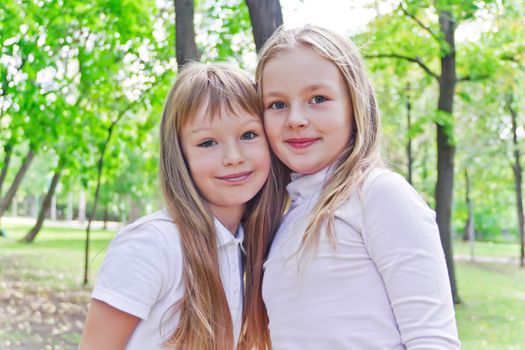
(225, 237)
(304, 187)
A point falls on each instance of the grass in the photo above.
(487, 249)
(491, 315)
(42, 302)
(59, 249)
(492, 312)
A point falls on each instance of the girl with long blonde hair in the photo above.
(357, 261)
(174, 279)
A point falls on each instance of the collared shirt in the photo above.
(382, 286)
(230, 260)
(142, 275)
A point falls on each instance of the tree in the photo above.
(31, 45)
(30, 236)
(185, 46)
(151, 77)
(442, 51)
(517, 169)
(266, 17)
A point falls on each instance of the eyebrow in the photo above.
(309, 88)
(253, 120)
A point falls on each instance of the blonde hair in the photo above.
(362, 153)
(205, 321)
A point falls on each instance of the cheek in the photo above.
(260, 153)
(271, 128)
(265, 160)
(198, 164)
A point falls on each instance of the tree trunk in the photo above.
(410, 161)
(46, 204)
(266, 17)
(106, 217)
(6, 201)
(469, 226)
(517, 175)
(135, 210)
(53, 211)
(185, 46)
(425, 147)
(8, 150)
(446, 149)
(95, 202)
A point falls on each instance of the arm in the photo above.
(402, 238)
(107, 327)
(135, 274)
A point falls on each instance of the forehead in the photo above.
(299, 65)
(208, 113)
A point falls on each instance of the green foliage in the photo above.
(227, 31)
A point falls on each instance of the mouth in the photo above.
(235, 177)
(302, 142)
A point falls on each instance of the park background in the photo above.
(83, 85)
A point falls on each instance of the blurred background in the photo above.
(83, 85)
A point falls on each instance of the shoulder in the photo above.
(158, 226)
(143, 264)
(383, 191)
(386, 188)
(151, 240)
(145, 253)
(386, 183)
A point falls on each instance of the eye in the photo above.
(207, 144)
(277, 105)
(250, 135)
(318, 99)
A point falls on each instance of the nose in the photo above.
(233, 154)
(296, 119)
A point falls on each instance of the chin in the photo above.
(306, 170)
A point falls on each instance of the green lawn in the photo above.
(59, 249)
(492, 312)
(491, 315)
(487, 249)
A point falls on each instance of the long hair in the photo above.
(261, 226)
(362, 153)
(205, 321)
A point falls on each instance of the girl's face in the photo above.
(307, 110)
(228, 158)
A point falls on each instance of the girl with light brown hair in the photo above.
(174, 279)
(357, 261)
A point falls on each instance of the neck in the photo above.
(230, 217)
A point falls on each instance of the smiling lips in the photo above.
(236, 178)
(302, 142)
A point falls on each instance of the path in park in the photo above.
(36, 316)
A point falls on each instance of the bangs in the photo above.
(223, 91)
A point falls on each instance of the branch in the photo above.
(407, 58)
(509, 57)
(471, 78)
(132, 104)
(425, 28)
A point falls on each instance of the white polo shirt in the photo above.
(142, 275)
(384, 286)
